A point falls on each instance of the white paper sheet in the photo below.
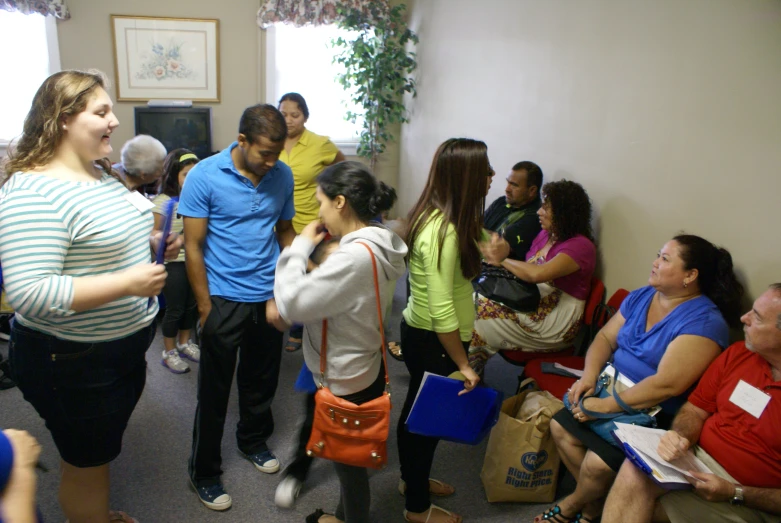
(645, 441)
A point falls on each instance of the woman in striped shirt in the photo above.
(75, 253)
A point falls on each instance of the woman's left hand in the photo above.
(314, 232)
(495, 250)
(471, 379)
(592, 404)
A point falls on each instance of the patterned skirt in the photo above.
(552, 327)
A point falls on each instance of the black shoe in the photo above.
(5, 382)
(5, 326)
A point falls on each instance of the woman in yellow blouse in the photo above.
(307, 154)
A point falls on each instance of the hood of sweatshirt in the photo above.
(389, 249)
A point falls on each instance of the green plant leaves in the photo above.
(378, 67)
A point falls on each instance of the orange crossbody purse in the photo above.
(342, 431)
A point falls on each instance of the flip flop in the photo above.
(442, 484)
(293, 346)
(555, 515)
(431, 509)
(117, 516)
(394, 349)
(120, 517)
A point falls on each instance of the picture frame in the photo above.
(166, 58)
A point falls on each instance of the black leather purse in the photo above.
(502, 286)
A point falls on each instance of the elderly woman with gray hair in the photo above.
(141, 163)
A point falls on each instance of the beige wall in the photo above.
(668, 113)
(85, 42)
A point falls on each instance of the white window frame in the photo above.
(52, 43)
(268, 87)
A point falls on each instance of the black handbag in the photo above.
(502, 286)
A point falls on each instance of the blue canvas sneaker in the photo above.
(213, 496)
(264, 461)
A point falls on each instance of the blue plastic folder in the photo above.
(169, 219)
(439, 412)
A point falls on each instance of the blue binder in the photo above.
(440, 412)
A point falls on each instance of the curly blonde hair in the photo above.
(62, 94)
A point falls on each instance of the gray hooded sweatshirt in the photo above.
(341, 290)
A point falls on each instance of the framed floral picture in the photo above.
(166, 58)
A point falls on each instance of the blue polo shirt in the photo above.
(241, 247)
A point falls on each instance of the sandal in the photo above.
(430, 510)
(449, 490)
(293, 346)
(555, 515)
(394, 349)
(315, 516)
(120, 517)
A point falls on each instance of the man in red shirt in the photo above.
(733, 423)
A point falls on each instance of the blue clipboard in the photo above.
(638, 461)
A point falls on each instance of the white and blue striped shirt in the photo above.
(52, 231)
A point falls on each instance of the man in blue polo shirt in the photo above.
(237, 208)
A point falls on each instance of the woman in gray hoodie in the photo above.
(341, 290)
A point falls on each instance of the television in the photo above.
(188, 127)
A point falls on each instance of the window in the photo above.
(30, 55)
(299, 59)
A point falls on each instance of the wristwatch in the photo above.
(737, 497)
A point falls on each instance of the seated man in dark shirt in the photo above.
(514, 215)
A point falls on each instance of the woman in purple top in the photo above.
(662, 339)
(561, 261)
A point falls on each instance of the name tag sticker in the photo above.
(749, 398)
(138, 201)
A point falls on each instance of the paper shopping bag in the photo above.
(521, 461)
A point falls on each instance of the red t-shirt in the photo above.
(748, 448)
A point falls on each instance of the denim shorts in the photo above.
(85, 392)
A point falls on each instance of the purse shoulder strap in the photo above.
(610, 415)
(324, 343)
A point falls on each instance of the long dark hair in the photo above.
(367, 196)
(716, 275)
(172, 166)
(570, 207)
(456, 186)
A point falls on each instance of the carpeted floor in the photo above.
(149, 479)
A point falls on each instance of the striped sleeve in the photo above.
(34, 242)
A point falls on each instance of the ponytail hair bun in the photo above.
(366, 195)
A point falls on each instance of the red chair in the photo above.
(558, 385)
(595, 298)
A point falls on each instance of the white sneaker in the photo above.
(190, 351)
(287, 492)
(174, 363)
